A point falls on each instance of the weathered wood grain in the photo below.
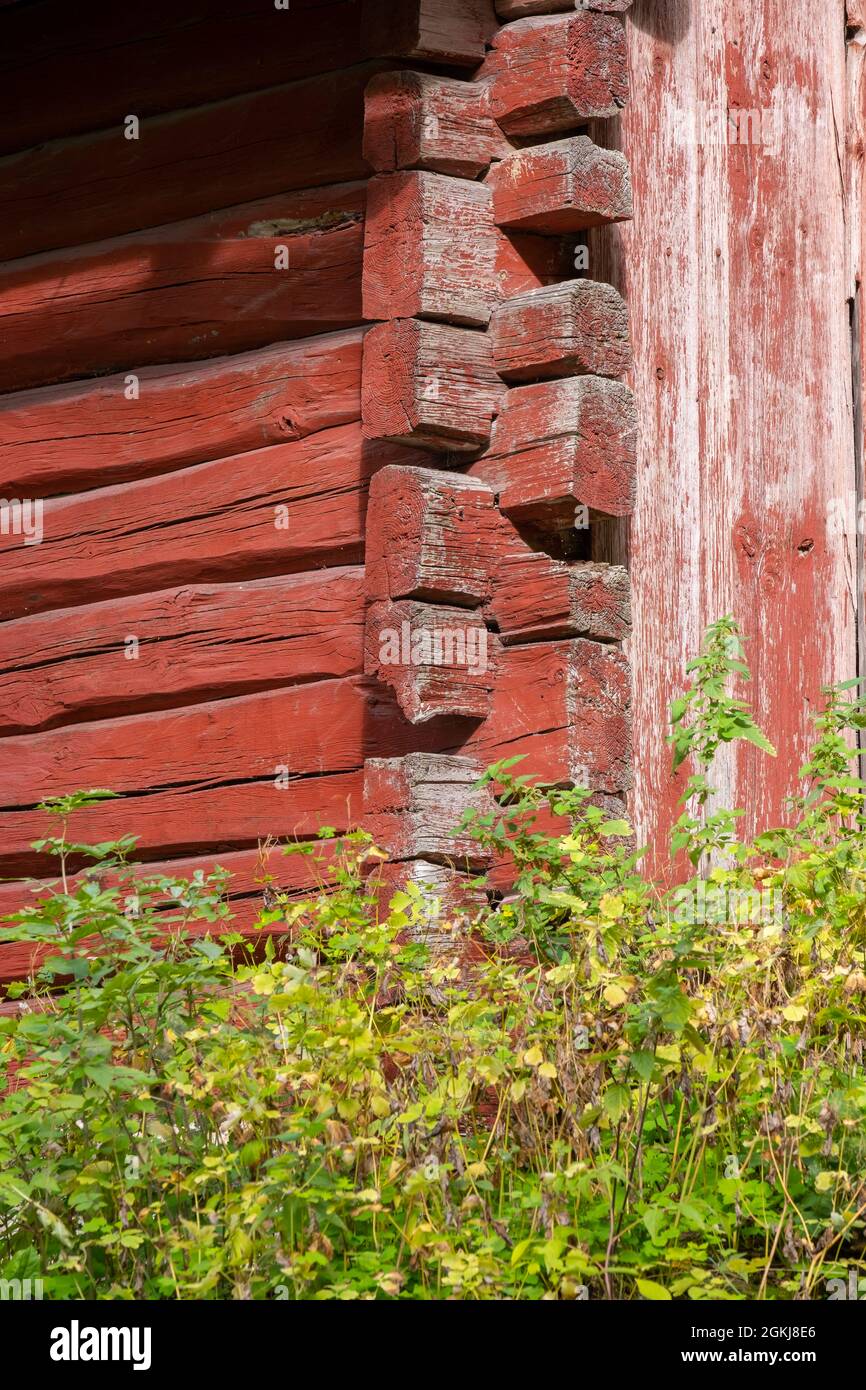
(430, 249)
(198, 288)
(90, 434)
(224, 775)
(430, 385)
(311, 728)
(452, 32)
(855, 218)
(566, 186)
(178, 646)
(577, 327)
(207, 777)
(518, 9)
(552, 73)
(746, 437)
(439, 661)
(415, 120)
(66, 70)
(414, 804)
(535, 597)
(299, 135)
(565, 708)
(271, 511)
(193, 819)
(561, 444)
(431, 535)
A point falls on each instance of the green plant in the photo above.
(608, 1091)
(702, 719)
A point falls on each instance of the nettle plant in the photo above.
(597, 1093)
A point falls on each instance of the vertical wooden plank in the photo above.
(735, 270)
(855, 189)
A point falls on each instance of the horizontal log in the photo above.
(452, 32)
(415, 120)
(299, 135)
(566, 186)
(198, 288)
(560, 445)
(535, 597)
(430, 385)
(203, 642)
(519, 9)
(414, 804)
(553, 73)
(604, 6)
(256, 876)
(431, 535)
(565, 708)
(91, 434)
(208, 777)
(20, 961)
(308, 729)
(224, 775)
(68, 70)
(438, 661)
(271, 511)
(191, 819)
(263, 870)
(430, 249)
(569, 329)
(217, 776)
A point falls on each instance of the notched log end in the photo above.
(437, 660)
(567, 186)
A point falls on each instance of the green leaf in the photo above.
(754, 735)
(616, 1102)
(613, 829)
(647, 1288)
(678, 709)
(642, 1063)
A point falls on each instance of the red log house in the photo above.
(379, 401)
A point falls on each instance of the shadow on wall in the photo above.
(668, 20)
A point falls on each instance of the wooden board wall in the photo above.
(742, 270)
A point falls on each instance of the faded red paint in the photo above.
(735, 274)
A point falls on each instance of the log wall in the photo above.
(319, 416)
